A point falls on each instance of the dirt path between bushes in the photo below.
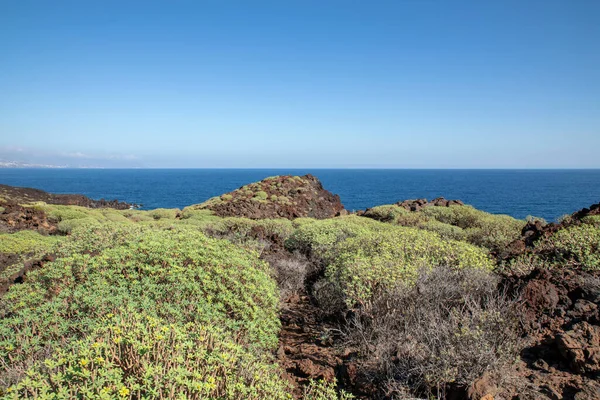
(305, 344)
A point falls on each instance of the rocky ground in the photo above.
(560, 319)
(561, 328)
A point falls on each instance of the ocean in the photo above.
(541, 193)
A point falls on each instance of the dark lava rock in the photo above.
(416, 205)
(561, 331)
(536, 230)
(20, 195)
(15, 217)
(277, 197)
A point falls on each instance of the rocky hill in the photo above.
(277, 197)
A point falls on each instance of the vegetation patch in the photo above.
(142, 300)
(577, 245)
(361, 255)
(491, 231)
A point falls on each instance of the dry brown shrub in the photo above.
(447, 330)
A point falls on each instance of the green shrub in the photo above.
(25, 242)
(387, 213)
(575, 245)
(68, 225)
(361, 254)
(226, 197)
(146, 302)
(593, 220)
(491, 231)
(261, 195)
(482, 229)
(2, 209)
(446, 231)
(131, 355)
(113, 215)
(323, 390)
(62, 213)
(252, 234)
(137, 215)
(164, 213)
(316, 237)
(387, 258)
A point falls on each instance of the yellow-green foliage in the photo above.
(63, 213)
(361, 254)
(2, 209)
(25, 242)
(261, 195)
(387, 258)
(323, 390)
(576, 245)
(481, 228)
(455, 222)
(387, 213)
(137, 215)
(164, 213)
(592, 220)
(247, 232)
(317, 237)
(150, 313)
(71, 217)
(68, 225)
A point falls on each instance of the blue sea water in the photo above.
(543, 193)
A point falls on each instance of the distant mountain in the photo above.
(18, 164)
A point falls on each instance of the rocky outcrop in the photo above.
(536, 230)
(20, 195)
(416, 205)
(277, 197)
(15, 217)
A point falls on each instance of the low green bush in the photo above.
(62, 213)
(593, 220)
(390, 257)
(68, 225)
(131, 355)
(131, 311)
(491, 231)
(577, 245)
(261, 195)
(323, 390)
(137, 215)
(456, 222)
(164, 213)
(25, 242)
(316, 237)
(361, 254)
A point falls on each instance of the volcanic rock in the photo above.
(277, 197)
(416, 205)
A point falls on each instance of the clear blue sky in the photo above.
(408, 84)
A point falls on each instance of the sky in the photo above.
(301, 83)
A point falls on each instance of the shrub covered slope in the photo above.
(406, 301)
